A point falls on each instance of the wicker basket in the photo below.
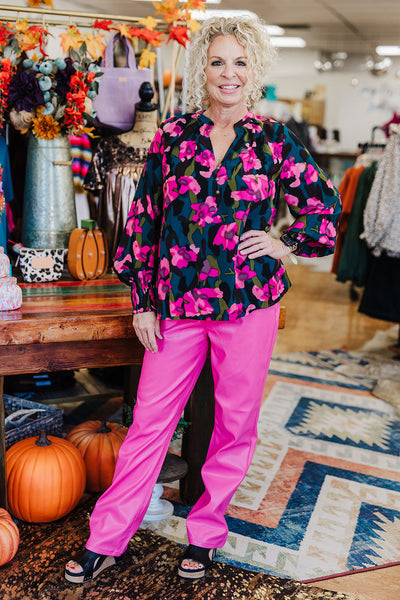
(51, 419)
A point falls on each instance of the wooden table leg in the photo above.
(199, 412)
(3, 476)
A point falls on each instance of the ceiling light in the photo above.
(288, 42)
(202, 15)
(274, 30)
(388, 50)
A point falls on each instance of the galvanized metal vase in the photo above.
(49, 212)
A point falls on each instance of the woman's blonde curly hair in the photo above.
(251, 34)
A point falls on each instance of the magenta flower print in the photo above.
(174, 127)
(133, 226)
(241, 215)
(292, 169)
(188, 184)
(187, 150)
(143, 253)
(145, 278)
(165, 166)
(170, 190)
(235, 311)
(249, 159)
(156, 144)
(276, 151)
(291, 200)
(140, 253)
(263, 293)
(176, 308)
(205, 129)
(242, 275)
(222, 175)
(315, 206)
(327, 227)
(276, 285)
(121, 259)
(259, 187)
(206, 158)
(151, 211)
(181, 257)
(328, 233)
(163, 269)
(311, 175)
(205, 212)
(163, 288)
(227, 236)
(196, 301)
(253, 127)
(250, 308)
(239, 259)
(207, 271)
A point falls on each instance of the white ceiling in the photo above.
(353, 26)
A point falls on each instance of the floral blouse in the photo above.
(179, 251)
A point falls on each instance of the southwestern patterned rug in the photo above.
(147, 572)
(322, 496)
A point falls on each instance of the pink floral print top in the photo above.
(179, 251)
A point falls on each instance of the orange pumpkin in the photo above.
(9, 537)
(87, 251)
(99, 443)
(45, 478)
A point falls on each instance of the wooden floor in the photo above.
(321, 316)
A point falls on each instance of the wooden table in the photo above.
(71, 325)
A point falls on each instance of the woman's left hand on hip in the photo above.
(256, 243)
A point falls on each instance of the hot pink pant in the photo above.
(240, 355)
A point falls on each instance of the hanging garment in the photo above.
(81, 154)
(382, 211)
(7, 189)
(381, 296)
(355, 254)
(113, 175)
(347, 190)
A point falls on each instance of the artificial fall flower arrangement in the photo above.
(53, 97)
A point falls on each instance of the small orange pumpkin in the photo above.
(99, 443)
(9, 537)
(45, 478)
(87, 251)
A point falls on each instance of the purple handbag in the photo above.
(119, 88)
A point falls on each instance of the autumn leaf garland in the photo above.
(43, 113)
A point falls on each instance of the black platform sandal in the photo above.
(202, 556)
(91, 564)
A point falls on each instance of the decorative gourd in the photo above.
(46, 478)
(9, 537)
(87, 251)
(99, 443)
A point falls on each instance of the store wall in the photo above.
(356, 100)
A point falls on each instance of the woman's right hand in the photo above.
(147, 329)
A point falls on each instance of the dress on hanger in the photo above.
(355, 254)
(382, 212)
(113, 175)
(347, 190)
